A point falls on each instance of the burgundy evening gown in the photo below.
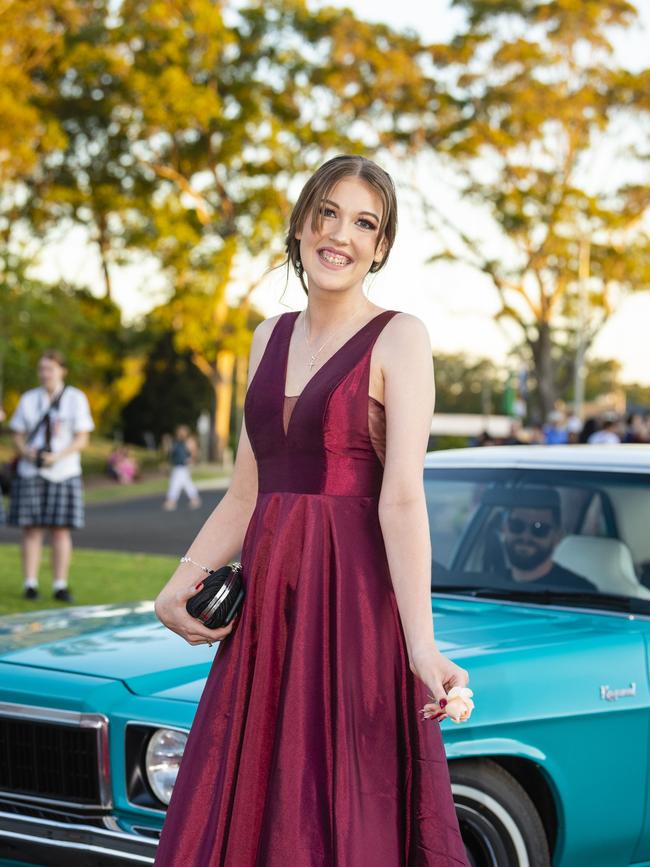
(307, 748)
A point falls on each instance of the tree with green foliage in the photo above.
(35, 316)
(173, 392)
(228, 108)
(468, 385)
(93, 179)
(184, 130)
(33, 41)
(534, 100)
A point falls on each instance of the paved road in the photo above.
(138, 525)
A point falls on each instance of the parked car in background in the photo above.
(540, 589)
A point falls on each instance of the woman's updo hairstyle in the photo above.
(318, 188)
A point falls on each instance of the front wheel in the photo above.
(497, 818)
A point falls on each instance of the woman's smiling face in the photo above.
(339, 254)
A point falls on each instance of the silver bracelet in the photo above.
(189, 560)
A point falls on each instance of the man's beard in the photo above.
(528, 561)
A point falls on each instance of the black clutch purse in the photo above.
(219, 599)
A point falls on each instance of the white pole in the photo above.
(579, 372)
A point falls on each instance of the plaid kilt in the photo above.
(38, 502)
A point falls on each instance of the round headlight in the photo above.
(163, 756)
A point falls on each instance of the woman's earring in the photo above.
(298, 267)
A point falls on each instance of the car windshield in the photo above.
(573, 537)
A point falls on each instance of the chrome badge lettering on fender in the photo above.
(613, 694)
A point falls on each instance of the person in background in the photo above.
(181, 454)
(536, 434)
(555, 431)
(635, 431)
(51, 425)
(606, 435)
(645, 429)
(122, 466)
(112, 461)
(515, 437)
(589, 426)
(574, 428)
(484, 439)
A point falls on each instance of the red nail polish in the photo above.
(198, 586)
(442, 702)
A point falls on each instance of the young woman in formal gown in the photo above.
(308, 747)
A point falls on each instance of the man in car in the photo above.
(530, 532)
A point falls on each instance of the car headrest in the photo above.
(606, 562)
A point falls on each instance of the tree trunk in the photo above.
(107, 276)
(241, 386)
(103, 243)
(223, 402)
(543, 367)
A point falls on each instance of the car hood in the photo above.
(123, 642)
(128, 643)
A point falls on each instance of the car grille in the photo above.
(53, 756)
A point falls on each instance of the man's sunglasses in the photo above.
(538, 529)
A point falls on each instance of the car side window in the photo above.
(452, 509)
(529, 529)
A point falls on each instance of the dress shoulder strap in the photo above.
(374, 328)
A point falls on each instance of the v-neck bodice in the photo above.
(331, 437)
(376, 422)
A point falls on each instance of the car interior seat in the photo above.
(606, 562)
(494, 558)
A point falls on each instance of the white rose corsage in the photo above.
(458, 705)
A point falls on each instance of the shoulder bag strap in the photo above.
(53, 405)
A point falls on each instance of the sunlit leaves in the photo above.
(538, 97)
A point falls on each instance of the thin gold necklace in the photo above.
(313, 357)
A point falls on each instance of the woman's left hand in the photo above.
(49, 458)
(438, 673)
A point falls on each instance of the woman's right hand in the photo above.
(171, 611)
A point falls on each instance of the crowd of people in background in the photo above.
(563, 429)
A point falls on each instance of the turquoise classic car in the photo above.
(540, 589)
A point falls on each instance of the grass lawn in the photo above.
(95, 577)
(154, 467)
(100, 492)
(93, 457)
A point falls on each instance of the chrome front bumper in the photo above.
(59, 844)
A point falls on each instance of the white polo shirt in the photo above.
(72, 416)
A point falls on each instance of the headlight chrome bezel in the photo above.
(161, 742)
(142, 788)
